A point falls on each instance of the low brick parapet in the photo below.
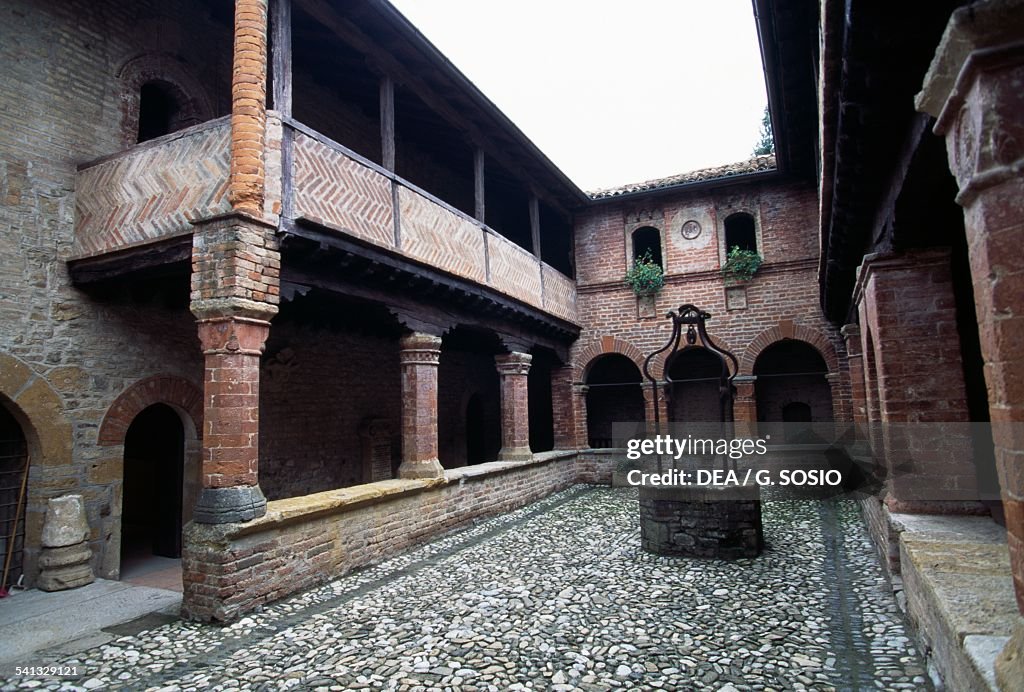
(231, 569)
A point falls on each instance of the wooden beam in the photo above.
(153, 258)
(281, 46)
(387, 122)
(418, 275)
(478, 185)
(535, 224)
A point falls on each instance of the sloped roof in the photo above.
(756, 164)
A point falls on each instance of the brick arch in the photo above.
(603, 346)
(159, 389)
(788, 330)
(193, 100)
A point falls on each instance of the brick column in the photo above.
(563, 407)
(579, 395)
(855, 361)
(973, 88)
(419, 355)
(231, 491)
(248, 107)
(744, 406)
(235, 286)
(906, 300)
(515, 419)
(649, 403)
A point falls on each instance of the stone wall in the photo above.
(70, 95)
(230, 569)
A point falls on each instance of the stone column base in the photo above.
(422, 468)
(515, 454)
(65, 568)
(230, 505)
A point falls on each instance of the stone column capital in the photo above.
(515, 363)
(233, 335)
(850, 330)
(419, 349)
(973, 89)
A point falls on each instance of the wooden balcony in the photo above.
(156, 191)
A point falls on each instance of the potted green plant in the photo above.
(646, 276)
(741, 265)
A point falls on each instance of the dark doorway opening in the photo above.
(614, 395)
(154, 461)
(13, 460)
(791, 386)
(796, 412)
(158, 111)
(476, 431)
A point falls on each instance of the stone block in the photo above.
(65, 523)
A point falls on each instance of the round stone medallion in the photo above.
(691, 229)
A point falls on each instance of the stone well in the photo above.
(702, 521)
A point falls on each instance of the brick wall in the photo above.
(514, 271)
(154, 192)
(784, 292)
(432, 234)
(318, 387)
(462, 374)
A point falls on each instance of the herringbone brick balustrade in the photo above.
(514, 271)
(559, 294)
(153, 192)
(333, 189)
(432, 234)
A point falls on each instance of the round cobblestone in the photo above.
(557, 595)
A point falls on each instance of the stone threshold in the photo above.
(959, 594)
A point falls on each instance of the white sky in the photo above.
(612, 91)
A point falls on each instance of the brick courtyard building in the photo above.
(283, 293)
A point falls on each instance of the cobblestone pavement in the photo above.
(557, 595)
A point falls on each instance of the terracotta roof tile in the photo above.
(756, 164)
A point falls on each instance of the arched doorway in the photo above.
(791, 385)
(154, 462)
(696, 375)
(13, 461)
(614, 395)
